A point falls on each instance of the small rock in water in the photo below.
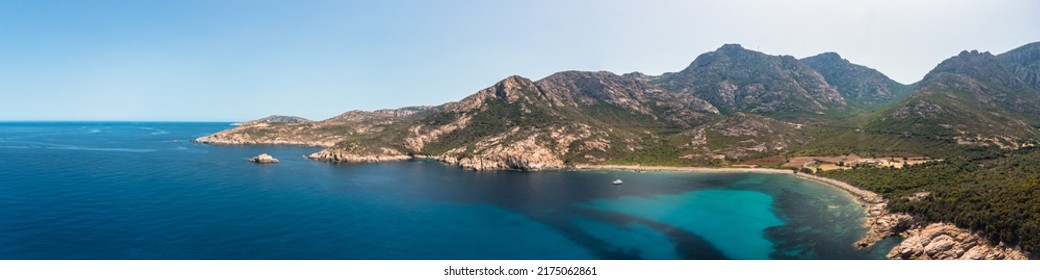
(263, 158)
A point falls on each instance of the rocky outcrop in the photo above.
(882, 225)
(340, 155)
(937, 241)
(941, 241)
(420, 134)
(263, 159)
(521, 155)
(525, 155)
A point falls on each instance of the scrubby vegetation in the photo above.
(992, 191)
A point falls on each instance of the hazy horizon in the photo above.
(235, 61)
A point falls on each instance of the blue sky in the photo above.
(238, 60)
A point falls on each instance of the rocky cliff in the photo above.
(338, 155)
(940, 241)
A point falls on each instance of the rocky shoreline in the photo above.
(219, 139)
(481, 163)
(942, 241)
(332, 155)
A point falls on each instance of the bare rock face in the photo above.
(883, 224)
(941, 241)
(421, 135)
(263, 159)
(525, 155)
(339, 155)
(575, 87)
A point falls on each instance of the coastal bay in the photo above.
(882, 224)
(577, 206)
(142, 191)
(920, 240)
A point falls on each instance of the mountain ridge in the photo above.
(976, 112)
(736, 79)
(727, 105)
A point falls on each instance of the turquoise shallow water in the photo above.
(89, 190)
(734, 221)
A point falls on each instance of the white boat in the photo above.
(617, 182)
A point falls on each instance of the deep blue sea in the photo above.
(120, 190)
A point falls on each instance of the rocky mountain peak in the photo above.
(513, 82)
(511, 89)
(736, 79)
(966, 62)
(859, 84)
(724, 55)
(973, 53)
(832, 57)
(982, 67)
(731, 47)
